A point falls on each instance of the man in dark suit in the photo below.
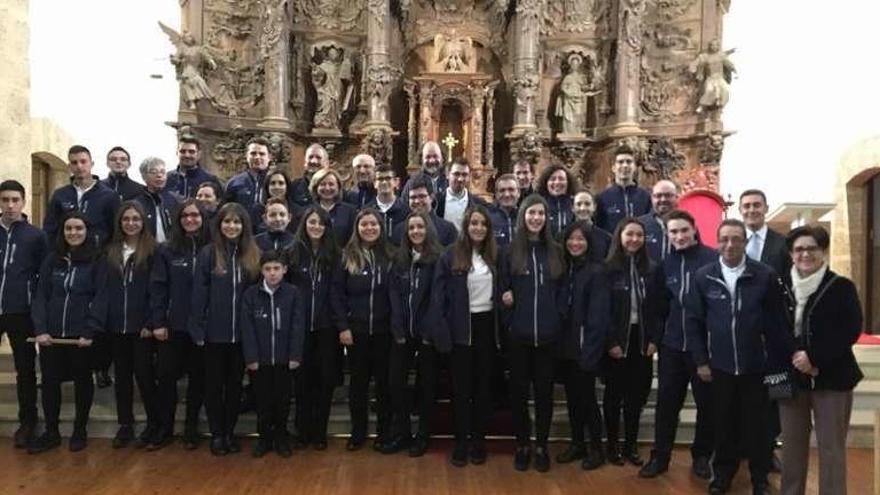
(768, 247)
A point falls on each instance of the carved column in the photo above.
(381, 73)
(411, 123)
(478, 97)
(426, 94)
(630, 19)
(526, 63)
(490, 125)
(274, 47)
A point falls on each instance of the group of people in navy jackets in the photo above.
(281, 280)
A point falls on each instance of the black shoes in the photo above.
(595, 457)
(542, 459)
(701, 468)
(191, 439)
(574, 452)
(24, 435)
(320, 444)
(282, 447)
(47, 441)
(232, 445)
(124, 436)
(419, 446)
(395, 445)
(459, 455)
(78, 441)
(218, 445)
(477, 453)
(355, 442)
(102, 379)
(612, 453)
(631, 454)
(718, 487)
(522, 457)
(261, 446)
(655, 467)
(146, 436)
(160, 440)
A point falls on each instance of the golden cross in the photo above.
(450, 143)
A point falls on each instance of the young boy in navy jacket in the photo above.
(276, 218)
(22, 250)
(272, 329)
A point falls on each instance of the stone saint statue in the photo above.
(332, 81)
(453, 51)
(571, 105)
(715, 70)
(189, 60)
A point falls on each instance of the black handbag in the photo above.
(780, 385)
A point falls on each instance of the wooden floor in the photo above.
(101, 470)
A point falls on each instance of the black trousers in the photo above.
(403, 356)
(60, 361)
(176, 357)
(738, 400)
(133, 360)
(272, 390)
(627, 383)
(368, 359)
(471, 368)
(531, 366)
(101, 352)
(224, 369)
(314, 382)
(676, 369)
(19, 327)
(581, 401)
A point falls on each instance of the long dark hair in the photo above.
(463, 248)
(328, 253)
(545, 177)
(584, 228)
(87, 251)
(354, 256)
(179, 240)
(248, 252)
(146, 244)
(519, 246)
(431, 248)
(617, 257)
(271, 174)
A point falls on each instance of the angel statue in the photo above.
(453, 52)
(189, 59)
(715, 70)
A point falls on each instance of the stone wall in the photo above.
(15, 91)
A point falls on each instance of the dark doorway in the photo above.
(872, 272)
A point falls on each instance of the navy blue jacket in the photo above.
(128, 298)
(185, 181)
(272, 240)
(167, 203)
(216, 299)
(412, 312)
(561, 213)
(678, 271)
(617, 202)
(299, 192)
(314, 286)
(588, 315)
(451, 299)
(649, 290)
(360, 197)
(832, 322)
(341, 221)
(294, 210)
(539, 301)
(600, 243)
(503, 224)
(71, 300)
(98, 204)
(123, 185)
(656, 239)
(397, 213)
(361, 301)
(272, 325)
(728, 333)
(171, 287)
(246, 189)
(446, 232)
(22, 250)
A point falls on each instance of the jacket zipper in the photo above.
(234, 290)
(372, 288)
(273, 322)
(535, 301)
(68, 285)
(315, 277)
(681, 294)
(734, 302)
(413, 286)
(125, 280)
(7, 260)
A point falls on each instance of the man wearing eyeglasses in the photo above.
(421, 195)
(386, 202)
(452, 203)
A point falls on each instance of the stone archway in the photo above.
(48, 173)
(850, 227)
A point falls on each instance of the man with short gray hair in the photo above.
(363, 168)
(158, 202)
(316, 158)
